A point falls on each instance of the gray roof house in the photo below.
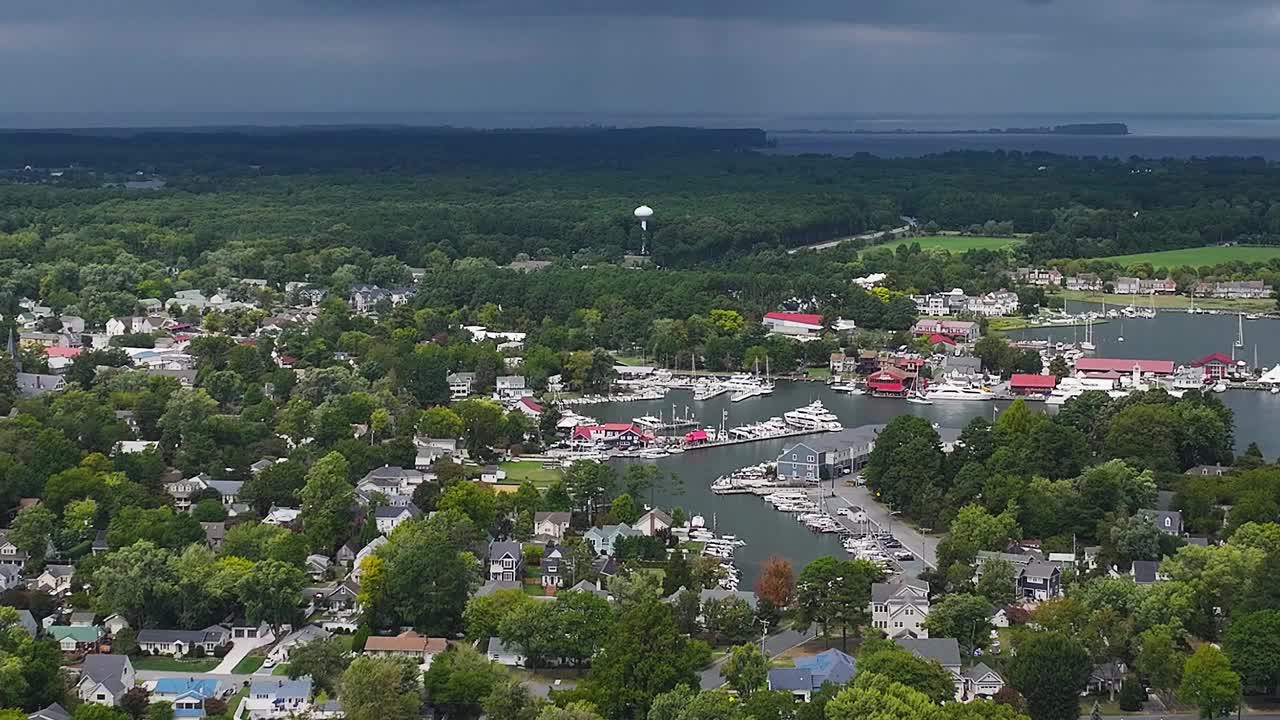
(183, 642)
(811, 672)
(506, 561)
(602, 539)
(105, 678)
(1166, 521)
(53, 712)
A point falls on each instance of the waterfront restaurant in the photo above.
(1088, 366)
(889, 382)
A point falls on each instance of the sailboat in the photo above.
(1191, 309)
(1240, 330)
(1121, 337)
(1088, 345)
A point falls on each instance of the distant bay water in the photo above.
(1151, 135)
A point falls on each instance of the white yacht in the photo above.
(849, 387)
(1067, 389)
(952, 391)
(813, 416)
(745, 386)
(707, 389)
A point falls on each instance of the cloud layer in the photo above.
(734, 56)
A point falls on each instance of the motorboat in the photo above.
(850, 388)
(952, 391)
(1219, 387)
(708, 389)
(917, 399)
(744, 386)
(813, 416)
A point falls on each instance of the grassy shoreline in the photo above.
(1171, 302)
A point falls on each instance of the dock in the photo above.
(798, 432)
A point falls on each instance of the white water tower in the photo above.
(643, 213)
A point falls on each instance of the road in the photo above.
(925, 548)
(865, 236)
(774, 645)
(228, 680)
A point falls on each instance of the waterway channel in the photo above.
(1176, 336)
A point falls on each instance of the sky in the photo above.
(784, 57)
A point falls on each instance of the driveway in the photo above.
(239, 649)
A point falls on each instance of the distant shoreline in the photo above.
(1109, 129)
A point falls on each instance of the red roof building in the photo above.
(1101, 365)
(62, 352)
(887, 382)
(697, 436)
(529, 406)
(611, 434)
(1030, 384)
(798, 325)
(1216, 366)
(936, 339)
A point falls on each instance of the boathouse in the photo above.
(1095, 365)
(1030, 385)
(1216, 366)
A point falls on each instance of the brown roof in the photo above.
(407, 641)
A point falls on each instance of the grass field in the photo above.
(160, 662)
(249, 665)
(956, 243)
(1173, 301)
(532, 470)
(1196, 257)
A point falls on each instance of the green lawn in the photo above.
(249, 664)
(532, 470)
(1172, 301)
(281, 669)
(818, 373)
(161, 662)
(956, 243)
(1196, 257)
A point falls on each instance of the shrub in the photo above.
(1132, 695)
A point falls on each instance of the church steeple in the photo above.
(12, 347)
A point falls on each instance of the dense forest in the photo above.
(551, 194)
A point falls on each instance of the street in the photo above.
(774, 645)
(925, 548)
(865, 236)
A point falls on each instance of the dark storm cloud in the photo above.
(799, 55)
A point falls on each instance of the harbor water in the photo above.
(1175, 336)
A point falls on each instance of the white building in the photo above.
(900, 607)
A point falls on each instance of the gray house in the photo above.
(828, 456)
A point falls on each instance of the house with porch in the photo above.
(506, 561)
(899, 607)
(610, 435)
(183, 643)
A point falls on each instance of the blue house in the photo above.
(811, 672)
(186, 694)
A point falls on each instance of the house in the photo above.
(1209, 470)
(1088, 282)
(27, 622)
(588, 586)
(994, 304)
(1039, 276)
(82, 619)
(944, 651)
(338, 599)
(366, 551)
(130, 325)
(278, 697)
(390, 518)
(114, 624)
(104, 679)
(510, 387)
(75, 638)
(982, 682)
(610, 435)
(365, 297)
(187, 695)
(181, 643)
(407, 644)
(460, 384)
(1145, 572)
(553, 568)
(1032, 385)
(1107, 678)
(492, 586)
(1166, 521)
(297, 638)
(802, 326)
(962, 367)
(899, 607)
(184, 491)
(10, 578)
(1215, 366)
(1242, 290)
(52, 712)
(318, 566)
(506, 561)
(1126, 286)
(393, 480)
(56, 579)
(959, 330)
(841, 364)
(501, 654)
(551, 524)
(228, 489)
(34, 384)
(828, 456)
(602, 539)
(889, 382)
(653, 522)
(214, 533)
(100, 544)
(811, 672)
(1040, 580)
(492, 474)
(281, 516)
